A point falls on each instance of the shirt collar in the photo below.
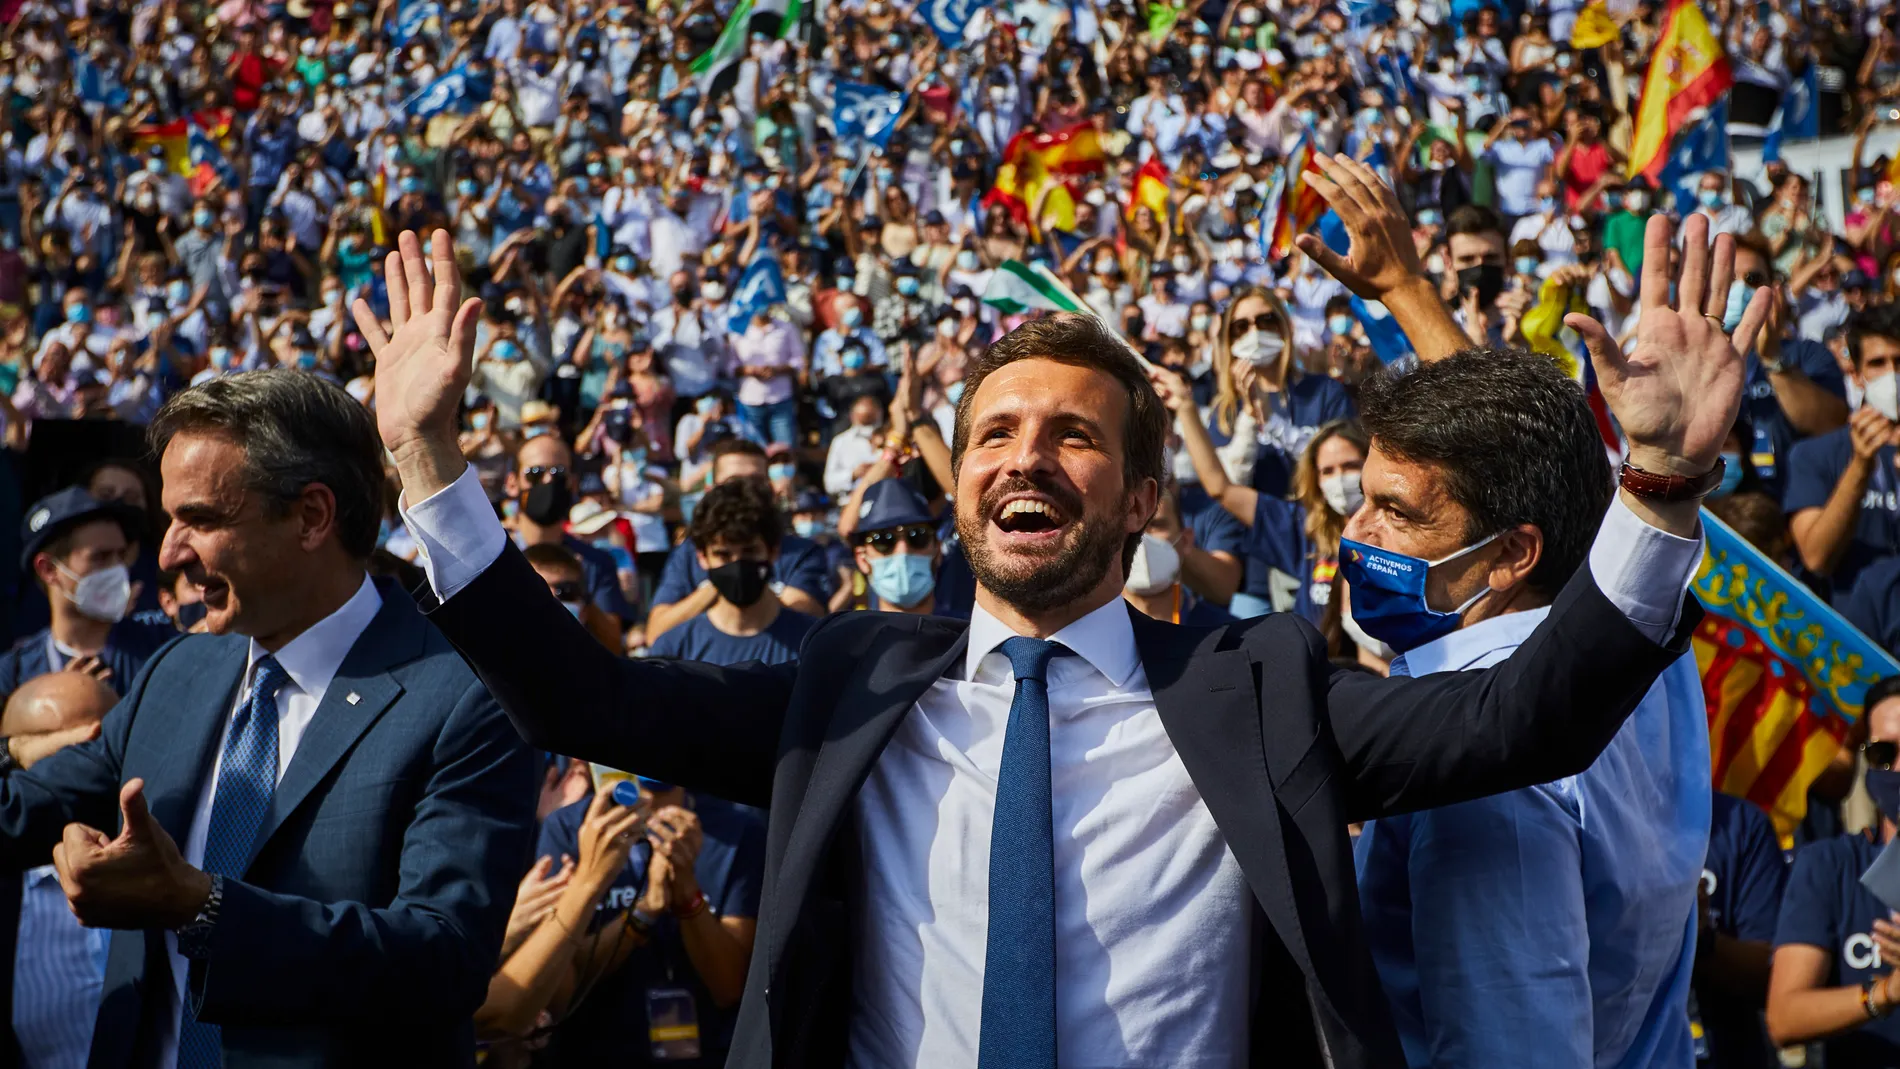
(1103, 638)
(1468, 646)
(311, 659)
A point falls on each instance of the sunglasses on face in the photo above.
(1268, 322)
(537, 473)
(567, 590)
(917, 536)
(1880, 753)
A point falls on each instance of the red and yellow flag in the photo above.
(174, 136)
(1036, 160)
(1151, 189)
(1688, 71)
(1291, 205)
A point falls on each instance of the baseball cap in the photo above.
(891, 503)
(63, 510)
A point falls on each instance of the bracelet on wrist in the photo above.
(691, 909)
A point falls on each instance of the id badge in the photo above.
(672, 1024)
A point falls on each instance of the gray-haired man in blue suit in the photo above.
(305, 828)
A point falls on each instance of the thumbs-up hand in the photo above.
(136, 880)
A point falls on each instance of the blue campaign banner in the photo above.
(761, 287)
(1799, 117)
(1363, 14)
(410, 18)
(865, 112)
(458, 90)
(1698, 148)
(949, 17)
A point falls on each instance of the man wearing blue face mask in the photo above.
(897, 549)
(901, 315)
(1481, 915)
(737, 529)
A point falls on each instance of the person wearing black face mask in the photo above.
(1836, 944)
(737, 528)
(541, 487)
(1475, 243)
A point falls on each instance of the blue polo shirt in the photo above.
(1743, 875)
(1825, 906)
(1873, 603)
(1278, 539)
(698, 640)
(1775, 437)
(800, 563)
(609, 1027)
(1814, 467)
(1294, 415)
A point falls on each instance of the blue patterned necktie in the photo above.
(246, 781)
(1019, 963)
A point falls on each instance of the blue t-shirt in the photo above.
(130, 642)
(1278, 540)
(1873, 603)
(600, 574)
(1744, 875)
(698, 640)
(1775, 437)
(1825, 906)
(1294, 415)
(609, 1027)
(801, 564)
(1814, 467)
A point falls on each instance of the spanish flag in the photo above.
(1687, 71)
(174, 136)
(1291, 206)
(1151, 189)
(1035, 160)
(1783, 674)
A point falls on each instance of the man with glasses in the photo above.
(1794, 388)
(1835, 944)
(542, 487)
(897, 548)
(736, 534)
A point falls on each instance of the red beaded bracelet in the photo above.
(693, 908)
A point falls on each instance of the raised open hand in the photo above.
(1382, 257)
(423, 367)
(1676, 393)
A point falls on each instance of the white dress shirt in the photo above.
(311, 661)
(1153, 952)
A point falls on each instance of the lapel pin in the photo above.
(353, 698)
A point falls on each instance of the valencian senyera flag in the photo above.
(1688, 72)
(1783, 673)
(1290, 207)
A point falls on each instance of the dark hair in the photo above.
(1082, 341)
(735, 447)
(1516, 440)
(735, 512)
(1756, 516)
(553, 555)
(1881, 320)
(1879, 692)
(295, 429)
(1473, 219)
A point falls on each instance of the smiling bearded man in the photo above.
(1063, 833)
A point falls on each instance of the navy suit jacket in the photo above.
(369, 919)
(1285, 748)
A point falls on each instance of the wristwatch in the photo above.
(8, 763)
(194, 937)
(1650, 485)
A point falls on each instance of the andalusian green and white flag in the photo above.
(1017, 287)
(730, 46)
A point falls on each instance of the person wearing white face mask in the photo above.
(1156, 580)
(78, 549)
(1843, 490)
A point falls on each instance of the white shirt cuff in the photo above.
(1644, 570)
(456, 533)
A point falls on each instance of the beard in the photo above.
(1047, 580)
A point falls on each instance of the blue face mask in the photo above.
(307, 360)
(1709, 198)
(1731, 474)
(504, 349)
(1738, 294)
(1388, 594)
(623, 264)
(1340, 325)
(954, 392)
(1527, 265)
(907, 286)
(1883, 786)
(853, 359)
(902, 579)
(804, 526)
(78, 313)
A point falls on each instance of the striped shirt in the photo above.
(58, 973)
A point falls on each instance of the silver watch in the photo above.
(194, 938)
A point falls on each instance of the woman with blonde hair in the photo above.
(1264, 413)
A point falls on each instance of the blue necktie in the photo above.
(1019, 963)
(246, 781)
